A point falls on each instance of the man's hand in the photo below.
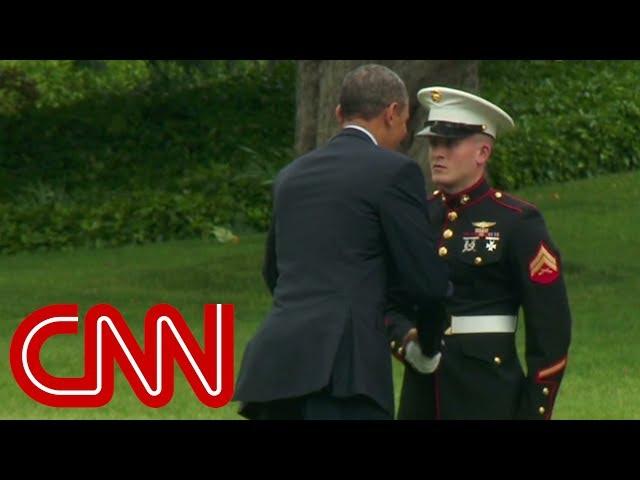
(414, 356)
(411, 336)
(411, 353)
(399, 353)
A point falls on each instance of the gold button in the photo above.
(442, 251)
(393, 344)
(477, 260)
(464, 199)
(400, 351)
(541, 410)
(545, 391)
(436, 192)
(498, 194)
(448, 233)
(452, 216)
(497, 360)
(436, 96)
(443, 197)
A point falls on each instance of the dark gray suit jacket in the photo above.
(344, 215)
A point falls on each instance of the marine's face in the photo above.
(456, 163)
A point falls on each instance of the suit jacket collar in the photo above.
(354, 132)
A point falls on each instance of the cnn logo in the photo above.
(108, 340)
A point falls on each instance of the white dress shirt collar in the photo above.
(362, 129)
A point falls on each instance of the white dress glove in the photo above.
(419, 361)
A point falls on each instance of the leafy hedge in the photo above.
(104, 153)
(575, 119)
(171, 156)
(208, 197)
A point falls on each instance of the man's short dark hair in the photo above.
(369, 89)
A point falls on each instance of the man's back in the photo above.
(337, 215)
(328, 228)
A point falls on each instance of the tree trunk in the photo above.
(318, 89)
(307, 83)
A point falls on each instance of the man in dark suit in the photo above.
(343, 216)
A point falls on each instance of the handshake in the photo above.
(413, 354)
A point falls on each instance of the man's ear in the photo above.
(340, 114)
(391, 112)
(486, 149)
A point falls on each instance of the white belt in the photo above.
(483, 324)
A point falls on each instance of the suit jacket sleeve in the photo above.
(538, 269)
(410, 239)
(420, 280)
(399, 320)
(270, 266)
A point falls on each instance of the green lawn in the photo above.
(594, 222)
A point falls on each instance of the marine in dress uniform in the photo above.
(502, 260)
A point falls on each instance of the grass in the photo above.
(185, 274)
(594, 222)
